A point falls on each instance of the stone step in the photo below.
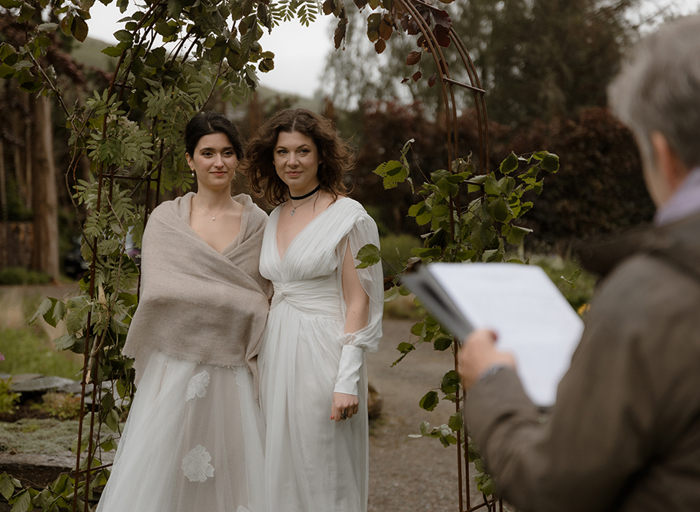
(36, 384)
(36, 470)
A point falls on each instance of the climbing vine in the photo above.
(485, 229)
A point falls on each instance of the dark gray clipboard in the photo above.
(422, 283)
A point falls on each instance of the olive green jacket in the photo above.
(625, 432)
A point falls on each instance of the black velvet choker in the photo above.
(297, 198)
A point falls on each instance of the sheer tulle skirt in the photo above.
(312, 464)
(192, 442)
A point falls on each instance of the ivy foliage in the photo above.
(171, 57)
(483, 230)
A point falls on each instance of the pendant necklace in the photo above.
(213, 217)
(294, 208)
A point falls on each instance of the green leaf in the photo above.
(112, 420)
(426, 252)
(416, 209)
(456, 422)
(368, 255)
(156, 58)
(442, 343)
(447, 188)
(7, 487)
(79, 29)
(109, 444)
(26, 13)
(9, 4)
(491, 186)
(450, 382)
(61, 483)
(112, 51)
(405, 347)
(424, 216)
(417, 328)
(550, 163)
(47, 27)
(510, 164)
(124, 36)
(373, 21)
(515, 234)
(492, 255)
(45, 306)
(22, 502)
(59, 311)
(499, 209)
(385, 167)
(488, 485)
(66, 24)
(506, 184)
(6, 71)
(429, 401)
(65, 342)
(391, 294)
(393, 173)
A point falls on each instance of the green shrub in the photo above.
(8, 399)
(575, 284)
(396, 250)
(27, 351)
(20, 275)
(64, 406)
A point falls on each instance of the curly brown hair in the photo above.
(334, 153)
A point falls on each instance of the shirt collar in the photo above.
(683, 203)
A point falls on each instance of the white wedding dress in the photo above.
(192, 442)
(314, 464)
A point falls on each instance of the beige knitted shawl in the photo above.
(197, 304)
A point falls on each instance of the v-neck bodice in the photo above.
(313, 252)
(300, 234)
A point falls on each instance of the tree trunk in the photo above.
(21, 129)
(3, 180)
(3, 206)
(44, 191)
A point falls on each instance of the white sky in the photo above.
(300, 52)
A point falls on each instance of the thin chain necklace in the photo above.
(213, 217)
(309, 195)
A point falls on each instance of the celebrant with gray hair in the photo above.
(624, 434)
(193, 438)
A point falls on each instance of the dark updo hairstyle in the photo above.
(333, 152)
(207, 123)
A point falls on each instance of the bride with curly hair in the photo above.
(325, 314)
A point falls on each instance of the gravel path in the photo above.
(409, 474)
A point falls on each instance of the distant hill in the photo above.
(90, 54)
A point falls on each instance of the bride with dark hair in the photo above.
(193, 438)
(325, 314)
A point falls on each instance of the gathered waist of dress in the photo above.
(318, 296)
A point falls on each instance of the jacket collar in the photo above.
(678, 242)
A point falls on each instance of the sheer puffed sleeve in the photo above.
(363, 232)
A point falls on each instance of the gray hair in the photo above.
(659, 90)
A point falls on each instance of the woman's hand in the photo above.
(344, 406)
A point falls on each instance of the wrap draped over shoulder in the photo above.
(197, 304)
